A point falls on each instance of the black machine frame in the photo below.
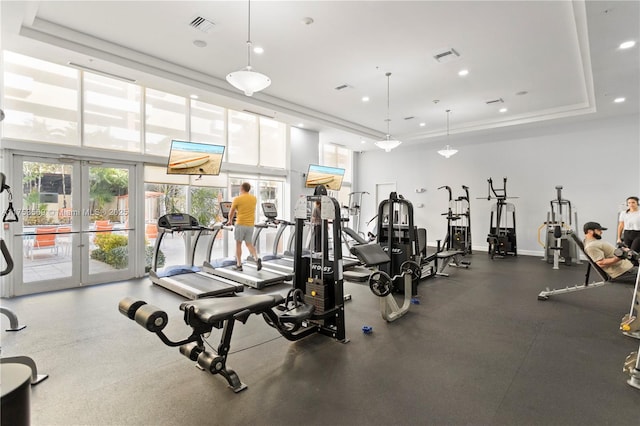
(315, 304)
(501, 238)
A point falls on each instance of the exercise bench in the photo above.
(604, 277)
(202, 316)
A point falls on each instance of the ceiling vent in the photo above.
(202, 24)
(409, 118)
(495, 101)
(446, 55)
(342, 87)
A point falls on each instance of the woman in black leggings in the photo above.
(629, 225)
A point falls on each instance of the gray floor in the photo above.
(479, 349)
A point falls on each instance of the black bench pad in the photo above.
(211, 311)
(449, 253)
(371, 254)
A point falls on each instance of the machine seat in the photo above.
(449, 253)
(371, 254)
(214, 310)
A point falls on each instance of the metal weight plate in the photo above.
(411, 267)
(380, 283)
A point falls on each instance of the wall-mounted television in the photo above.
(330, 177)
(194, 158)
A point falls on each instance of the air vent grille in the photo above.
(446, 55)
(202, 24)
(409, 118)
(495, 101)
(342, 87)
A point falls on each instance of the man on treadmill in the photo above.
(245, 206)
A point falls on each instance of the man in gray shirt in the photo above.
(602, 253)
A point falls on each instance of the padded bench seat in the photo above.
(214, 310)
(371, 254)
(448, 254)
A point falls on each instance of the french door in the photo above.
(75, 226)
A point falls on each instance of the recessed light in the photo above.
(503, 110)
(300, 124)
(619, 100)
(423, 124)
(363, 141)
(199, 43)
(194, 96)
(462, 73)
(627, 44)
(365, 99)
(258, 50)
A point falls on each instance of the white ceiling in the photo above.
(563, 54)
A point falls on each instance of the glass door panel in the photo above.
(108, 228)
(74, 225)
(47, 224)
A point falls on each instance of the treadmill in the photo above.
(248, 276)
(187, 280)
(273, 261)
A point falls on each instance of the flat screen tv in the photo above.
(330, 177)
(194, 158)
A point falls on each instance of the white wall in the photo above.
(597, 163)
(304, 151)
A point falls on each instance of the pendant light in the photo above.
(246, 79)
(389, 143)
(447, 151)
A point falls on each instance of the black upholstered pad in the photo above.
(213, 310)
(370, 254)
(599, 270)
(448, 253)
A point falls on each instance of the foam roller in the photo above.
(151, 318)
(128, 306)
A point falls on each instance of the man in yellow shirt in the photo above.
(244, 205)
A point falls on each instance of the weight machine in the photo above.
(630, 324)
(14, 324)
(561, 221)
(354, 207)
(502, 224)
(398, 237)
(381, 284)
(458, 222)
(315, 305)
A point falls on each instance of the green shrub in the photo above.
(118, 257)
(98, 254)
(107, 242)
(148, 257)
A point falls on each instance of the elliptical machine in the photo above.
(561, 221)
(502, 224)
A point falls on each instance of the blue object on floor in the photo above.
(367, 329)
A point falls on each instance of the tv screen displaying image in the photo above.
(330, 177)
(193, 158)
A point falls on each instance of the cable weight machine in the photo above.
(502, 223)
(458, 222)
(562, 220)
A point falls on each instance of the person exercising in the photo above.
(245, 206)
(601, 252)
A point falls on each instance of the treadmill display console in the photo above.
(270, 210)
(225, 208)
(178, 221)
